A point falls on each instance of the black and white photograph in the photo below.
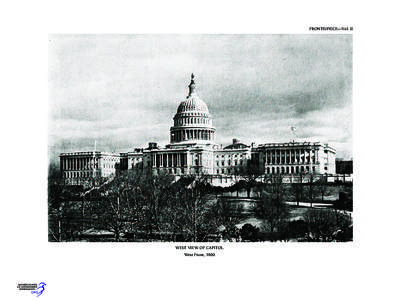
(199, 150)
(200, 138)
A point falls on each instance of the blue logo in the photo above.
(39, 290)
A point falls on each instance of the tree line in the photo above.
(146, 208)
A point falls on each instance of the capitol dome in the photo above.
(193, 103)
(192, 121)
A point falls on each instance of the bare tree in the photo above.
(322, 186)
(154, 191)
(325, 223)
(311, 187)
(194, 208)
(271, 206)
(250, 175)
(224, 213)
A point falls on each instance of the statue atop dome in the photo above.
(192, 87)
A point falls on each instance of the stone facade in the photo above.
(295, 158)
(83, 167)
(233, 159)
(192, 151)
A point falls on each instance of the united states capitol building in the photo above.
(193, 151)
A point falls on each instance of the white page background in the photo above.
(365, 268)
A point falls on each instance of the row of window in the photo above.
(230, 171)
(289, 170)
(293, 161)
(77, 174)
(230, 155)
(240, 162)
(91, 166)
(200, 120)
(176, 171)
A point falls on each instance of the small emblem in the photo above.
(39, 290)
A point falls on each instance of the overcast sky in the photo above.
(122, 91)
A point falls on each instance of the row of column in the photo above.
(78, 163)
(168, 160)
(192, 134)
(279, 156)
